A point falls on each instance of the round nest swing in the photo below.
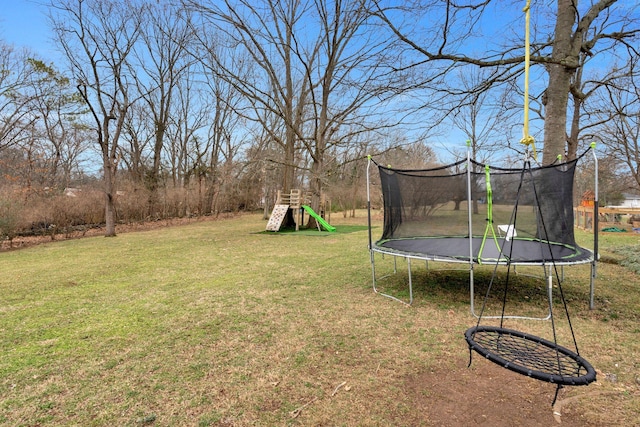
(530, 355)
(517, 351)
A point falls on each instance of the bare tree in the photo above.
(347, 68)
(137, 137)
(15, 98)
(318, 78)
(481, 115)
(228, 109)
(274, 86)
(192, 112)
(161, 62)
(97, 37)
(596, 28)
(57, 105)
(618, 110)
(38, 108)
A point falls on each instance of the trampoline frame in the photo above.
(468, 259)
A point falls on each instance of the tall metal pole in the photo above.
(470, 227)
(596, 229)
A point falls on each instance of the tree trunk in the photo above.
(209, 196)
(316, 189)
(289, 169)
(574, 132)
(153, 183)
(561, 69)
(110, 211)
(555, 132)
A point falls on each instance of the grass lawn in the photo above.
(216, 323)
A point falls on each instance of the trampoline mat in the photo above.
(517, 251)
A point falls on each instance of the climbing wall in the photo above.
(277, 216)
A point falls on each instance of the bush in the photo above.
(132, 204)
(50, 214)
(47, 212)
(11, 221)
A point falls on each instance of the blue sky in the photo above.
(23, 23)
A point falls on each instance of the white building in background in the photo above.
(630, 201)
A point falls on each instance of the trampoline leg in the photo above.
(410, 282)
(592, 284)
(472, 291)
(373, 271)
(550, 295)
(375, 289)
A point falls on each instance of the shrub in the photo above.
(132, 204)
(10, 218)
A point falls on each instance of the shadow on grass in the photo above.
(451, 288)
(340, 229)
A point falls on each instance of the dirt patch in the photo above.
(488, 395)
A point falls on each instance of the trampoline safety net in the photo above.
(430, 205)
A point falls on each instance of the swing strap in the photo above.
(527, 139)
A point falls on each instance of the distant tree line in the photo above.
(199, 107)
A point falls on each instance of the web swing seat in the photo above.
(530, 355)
(520, 352)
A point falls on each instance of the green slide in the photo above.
(318, 218)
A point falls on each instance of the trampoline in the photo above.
(456, 249)
(463, 213)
